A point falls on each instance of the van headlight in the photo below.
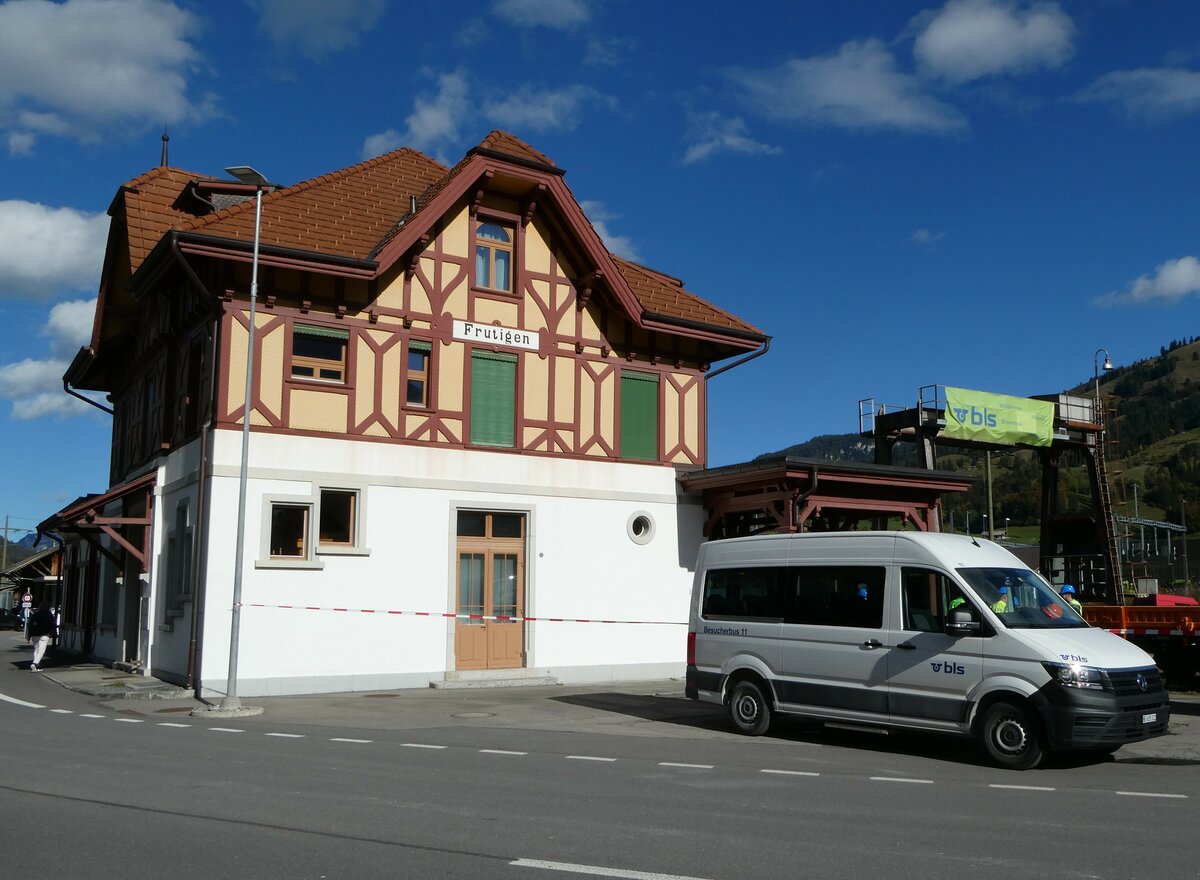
(1073, 675)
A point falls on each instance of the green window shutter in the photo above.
(493, 399)
(639, 416)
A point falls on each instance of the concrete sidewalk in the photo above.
(632, 708)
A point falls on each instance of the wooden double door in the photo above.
(489, 630)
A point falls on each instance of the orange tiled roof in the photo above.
(150, 211)
(511, 145)
(354, 211)
(347, 212)
(663, 295)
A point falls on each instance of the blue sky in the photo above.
(977, 193)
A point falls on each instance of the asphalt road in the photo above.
(590, 787)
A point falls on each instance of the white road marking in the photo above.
(1022, 787)
(420, 746)
(130, 720)
(62, 711)
(172, 724)
(226, 730)
(901, 779)
(790, 772)
(689, 766)
(17, 702)
(589, 758)
(287, 735)
(1151, 794)
(597, 870)
(89, 715)
(342, 739)
(500, 752)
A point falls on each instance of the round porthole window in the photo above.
(640, 527)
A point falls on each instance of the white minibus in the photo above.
(914, 630)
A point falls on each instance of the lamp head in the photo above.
(246, 174)
(1107, 364)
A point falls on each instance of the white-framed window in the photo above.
(299, 529)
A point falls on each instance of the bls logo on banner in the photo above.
(949, 668)
(975, 417)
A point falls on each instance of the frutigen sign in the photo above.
(998, 418)
(508, 337)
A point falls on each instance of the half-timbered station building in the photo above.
(468, 419)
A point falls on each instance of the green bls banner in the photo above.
(998, 418)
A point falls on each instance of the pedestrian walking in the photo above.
(41, 628)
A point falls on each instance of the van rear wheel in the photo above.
(749, 709)
(1010, 736)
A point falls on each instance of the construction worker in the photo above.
(1001, 604)
(1068, 594)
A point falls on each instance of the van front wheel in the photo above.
(1010, 736)
(749, 709)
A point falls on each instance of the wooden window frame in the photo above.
(319, 364)
(510, 226)
(324, 543)
(424, 376)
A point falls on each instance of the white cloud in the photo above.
(556, 14)
(969, 39)
(607, 51)
(926, 236)
(20, 143)
(528, 109)
(712, 133)
(43, 250)
(315, 28)
(856, 87)
(621, 245)
(35, 386)
(87, 66)
(432, 123)
(1171, 282)
(1148, 93)
(473, 32)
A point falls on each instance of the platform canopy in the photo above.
(787, 494)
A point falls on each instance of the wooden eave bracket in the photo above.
(585, 286)
(529, 205)
(413, 257)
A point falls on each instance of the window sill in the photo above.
(107, 628)
(166, 627)
(329, 384)
(302, 564)
(338, 550)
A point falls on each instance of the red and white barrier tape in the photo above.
(447, 614)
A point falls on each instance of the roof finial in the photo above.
(165, 139)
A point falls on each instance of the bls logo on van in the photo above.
(976, 417)
(949, 668)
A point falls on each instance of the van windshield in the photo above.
(1021, 599)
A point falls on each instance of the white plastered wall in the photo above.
(580, 563)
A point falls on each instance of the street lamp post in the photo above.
(231, 702)
(1097, 368)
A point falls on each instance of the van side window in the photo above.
(928, 597)
(743, 594)
(835, 595)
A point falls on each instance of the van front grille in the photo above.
(1125, 684)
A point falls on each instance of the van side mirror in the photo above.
(961, 623)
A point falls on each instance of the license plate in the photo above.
(1150, 718)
